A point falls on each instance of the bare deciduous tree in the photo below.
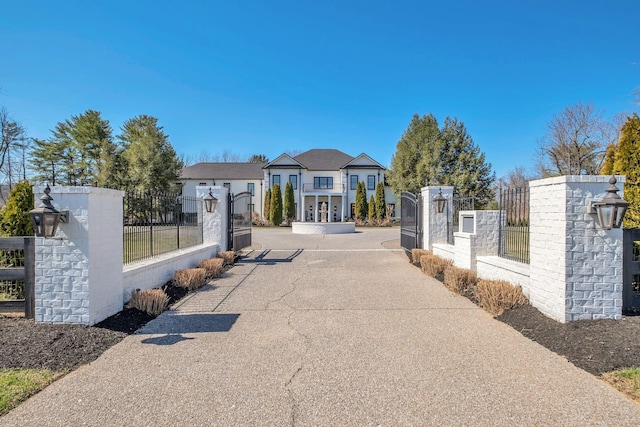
(575, 142)
(12, 140)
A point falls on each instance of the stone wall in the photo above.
(79, 275)
(575, 269)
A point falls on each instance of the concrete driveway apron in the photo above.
(326, 330)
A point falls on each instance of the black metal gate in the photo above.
(240, 209)
(631, 269)
(410, 221)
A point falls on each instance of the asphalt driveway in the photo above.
(326, 330)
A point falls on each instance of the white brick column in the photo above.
(79, 271)
(483, 239)
(576, 267)
(435, 226)
(215, 224)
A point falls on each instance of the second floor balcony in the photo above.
(323, 188)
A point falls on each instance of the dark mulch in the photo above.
(25, 344)
(597, 346)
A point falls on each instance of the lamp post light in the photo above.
(210, 202)
(45, 218)
(612, 208)
(440, 202)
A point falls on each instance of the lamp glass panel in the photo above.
(50, 224)
(620, 211)
(605, 215)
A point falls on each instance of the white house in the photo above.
(318, 176)
(236, 177)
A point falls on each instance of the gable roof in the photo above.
(220, 171)
(362, 161)
(283, 161)
(323, 159)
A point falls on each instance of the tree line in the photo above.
(83, 150)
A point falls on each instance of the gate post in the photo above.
(576, 266)
(215, 224)
(78, 273)
(436, 226)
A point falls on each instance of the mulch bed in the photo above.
(26, 344)
(596, 346)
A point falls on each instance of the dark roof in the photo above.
(323, 159)
(221, 171)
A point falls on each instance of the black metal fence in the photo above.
(158, 223)
(514, 224)
(460, 203)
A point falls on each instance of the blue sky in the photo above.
(253, 77)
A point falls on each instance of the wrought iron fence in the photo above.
(158, 223)
(514, 224)
(460, 203)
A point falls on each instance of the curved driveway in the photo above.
(335, 330)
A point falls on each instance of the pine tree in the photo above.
(276, 205)
(81, 151)
(361, 202)
(289, 203)
(151, 161)
(381, 204)
(628, 163)
(14, 217)
(430, 155)
(267, 205)
(372, 210)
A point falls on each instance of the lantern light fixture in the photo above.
(440, 202)
(210, 202)
(611, 208)
(45, 218)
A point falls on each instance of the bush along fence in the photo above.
(545, 240)
(79, 274)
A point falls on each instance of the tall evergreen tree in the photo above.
(427, 154)
(372, 210)
(361, 201)
(628, 163)
(44, 159)
(276, 205)
(381, 203)
(416, 156)
(150, 160)
(267, 205)
(289, 203)
(83, 148)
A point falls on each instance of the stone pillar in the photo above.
(479, 235)
(576, 267)
(215, 224)
(79, 272)
(436, 226)
(316, 211)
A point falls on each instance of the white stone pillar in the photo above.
(436, 226)
(329, 210)
(79, 272)
(342, 208)
(316, 211)
(215, 224)
(576, 267)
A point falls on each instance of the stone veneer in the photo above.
(576, 267)
(78, 272)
